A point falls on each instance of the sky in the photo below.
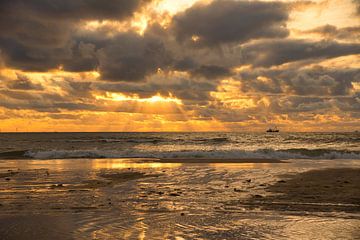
(190, 65)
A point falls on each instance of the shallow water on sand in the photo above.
(137, 199)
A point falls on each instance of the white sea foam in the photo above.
(238, 154)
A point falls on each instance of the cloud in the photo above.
(330, 32)
(83, 58)
(211, 71)
(190, 90)
(80, 9)
(227, 21)
(349, 104)
(131, 57)
(299, 104)
(228, 60)
(23, 83)
(276, 52)
(37, 35)
(357, 4)
(304, 81)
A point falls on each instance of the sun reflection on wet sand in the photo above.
(94, 164)
(131, 163)
(145, 199)
(242, 165)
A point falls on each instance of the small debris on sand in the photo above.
(258, 196)
(238, 190)
(174, 194)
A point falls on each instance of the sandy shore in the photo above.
(87, 199)
(217, 160)
(323, 190)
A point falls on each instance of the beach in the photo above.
(179, 120)
(179, 199)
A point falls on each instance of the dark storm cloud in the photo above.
(226, 21)
(223, 114)
(131, 57)
(297, 104)
(30, 58)
(196, 69)
(185, 89)
(83, 58)
(349, 104)
(79, 9)
(295, 80)
(277, 52)
(45, 13)
(37, 35)
(44, 102)
(211, 71)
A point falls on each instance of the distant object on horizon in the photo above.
(275, 129)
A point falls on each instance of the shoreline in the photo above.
(109, 196)
(21, 155)
(218, 160)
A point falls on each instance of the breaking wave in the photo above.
(223, 154)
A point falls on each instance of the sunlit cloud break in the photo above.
(194, 65)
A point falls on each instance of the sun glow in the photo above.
(174, 6)
(154, 99)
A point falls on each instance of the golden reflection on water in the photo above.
(137, 211)
(241, 165)
(130, 163)
(88, 164)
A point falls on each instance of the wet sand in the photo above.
(323, 190)
(217, 160)
(147, 199)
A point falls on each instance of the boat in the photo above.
(275, 129)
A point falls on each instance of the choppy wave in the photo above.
(214, 140)
(238, 154)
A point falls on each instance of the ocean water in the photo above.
(180, 145)
(54, 186)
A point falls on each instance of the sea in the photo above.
(219, 145)
(98, 186)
